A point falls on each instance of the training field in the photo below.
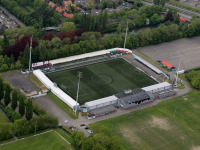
(101, 80)
(156, 127)
(46, 141)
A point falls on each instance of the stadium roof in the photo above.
(148, 64)
(77, 57)
(156, 86)
(101, 101)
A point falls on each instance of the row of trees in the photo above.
(100, 140)
(43, 16)
(24, 127)
(25, 105)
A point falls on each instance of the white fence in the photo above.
(55, 90)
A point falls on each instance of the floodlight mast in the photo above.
(178, 69)
(79, 75)
(30, 54)
(126, 34)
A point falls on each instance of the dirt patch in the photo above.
(129, 135)
(196, 148)
(196, 106)
(185, 99)
(160, 123)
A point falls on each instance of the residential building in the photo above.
(109, 10)
(66, 15)
(95, 11)
(60, 10)
(66, 3)
(52, 5)
(182, 19)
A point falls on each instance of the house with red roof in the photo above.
(52, 5)
(66, 15)
(66, 3)
(182, 19)
(167, 65)
(60, 10)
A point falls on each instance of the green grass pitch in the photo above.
(156, 127)
(46, 141)
(101, 80)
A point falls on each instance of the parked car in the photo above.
(66, 121)
(86, 128)
(90, 132)
(82, 125)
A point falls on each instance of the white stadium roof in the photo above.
(148, 64)
(77, 57)
(100, 101)
(156, 86)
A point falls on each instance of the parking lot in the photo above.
(19, 80)
(171, 52)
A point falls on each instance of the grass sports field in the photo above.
(46, 141)
(157, 128)
(101, 80)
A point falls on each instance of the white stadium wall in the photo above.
(55, 90)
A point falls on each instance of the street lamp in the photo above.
(126, 34)
(35, 126)
(79, 75)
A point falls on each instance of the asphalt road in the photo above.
(171, 52)
(11, 16)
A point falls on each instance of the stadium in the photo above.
(110, 79)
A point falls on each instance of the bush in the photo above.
(38, 110)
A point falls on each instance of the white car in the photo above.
(66, 121)
(90, 132)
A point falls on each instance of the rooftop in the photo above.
(67, 2)
(103, 109)
(59, 9)
(135, 91)
(182, 19)
(68, 15)
(77, 57)
(167, 64)
(51, 4)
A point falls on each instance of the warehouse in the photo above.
(134, 98)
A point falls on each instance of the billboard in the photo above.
(40, 63)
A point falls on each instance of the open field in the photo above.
(101, 80)
(157, 128)
(46, 141)
(171, 51)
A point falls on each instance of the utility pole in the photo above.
(79, 75)
(178, 68)
(35, 126)
(30, 54)
(126, 34)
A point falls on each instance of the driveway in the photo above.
(11, 16)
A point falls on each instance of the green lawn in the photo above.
(47, 141)
(3, 119)
(101, 80)
(157, 128)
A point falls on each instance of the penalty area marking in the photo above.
(191, 130)
(63, 138)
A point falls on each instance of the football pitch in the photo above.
(157, 128)
(101, 80)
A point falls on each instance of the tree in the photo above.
(25, 58)
(4, 67)
(29, 110)
(156, 2)
(105, 3)
(68, 26)
(162, 3)
(15, 116)
(21, 106)
(190, 30)
(105, 21)
(191, 75)
(14, 100)
(154, 19)
(196, 81)
(7, 98)
(79, 32)
(169, 17)
(1, 88)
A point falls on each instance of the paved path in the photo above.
(11, 16)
